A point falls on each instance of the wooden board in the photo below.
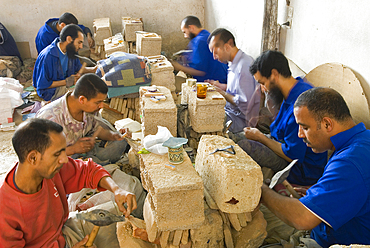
(343, 80)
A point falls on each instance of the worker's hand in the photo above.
(123, 133)
(122, 196)
(70, 81)
(90, 40)
(253, 133)
(301, 190)
(82, 243)
(213, 82)
(83, 145)
(176, 65)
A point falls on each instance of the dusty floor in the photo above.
(7, 154)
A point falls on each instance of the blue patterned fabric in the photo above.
(124, 73)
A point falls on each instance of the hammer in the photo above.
(98, 217)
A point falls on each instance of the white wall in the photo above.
(322, 31)
(23, 18)
(243, 18)
(330, 31)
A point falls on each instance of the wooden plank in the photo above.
(129, 103)
(112, 102)
(124, 105)
(120, 102)
(130, 114)
(116, 103)
(125, 115)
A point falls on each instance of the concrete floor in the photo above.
(7, 154)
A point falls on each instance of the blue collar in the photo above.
(293, 94)
(340, 139)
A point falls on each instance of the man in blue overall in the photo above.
(202, 65)
(337, 207)
(52, 27)
(56, 67)
(271, 70)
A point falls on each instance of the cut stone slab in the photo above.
(253, 234)
(125, 238)
(162, 72)
(176, 196)
(102, 30)
(148, 44)
(233, 182)
(162, 113)
(206, 115)
(210, 234)
(151, 225)
(130, 26)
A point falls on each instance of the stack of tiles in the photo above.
(162, 113)
(206, 115)
(102, 30)
(162, 72)
(148, 44)
(175, 197)
(115, 44)
(235, 183)
(129, 28)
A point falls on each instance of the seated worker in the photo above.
(337, 207)
(241, 107)
(8, 47)
(271, 70)
(77, 112)
(202, 66)
(56, 67)
(52, 27)
(33, 194)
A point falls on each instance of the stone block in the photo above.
(130, 26)
(210, 234)
(102, 30)
(206, 115)
(162, 72)
(162, 113)
(176, 196)
(148, 44)
(253, 234)
(125, 238)
(233, 181)
(115, 44)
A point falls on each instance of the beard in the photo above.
(191, 36)
(275, 94)
(71, 51)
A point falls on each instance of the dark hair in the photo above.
(324, 102)
(191, 20)
(89, 85)
(67, 18)
(33, 134)
(70, 30)
(269, 60)
(224, 35)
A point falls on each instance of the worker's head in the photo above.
(267, 69)
(41, 143)
(90, 91)
(67, 18)
(317, 111)
(190, 26)
(74, 37)
(220, 43)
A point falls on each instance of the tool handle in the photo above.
(290, 188)
(92, 236)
